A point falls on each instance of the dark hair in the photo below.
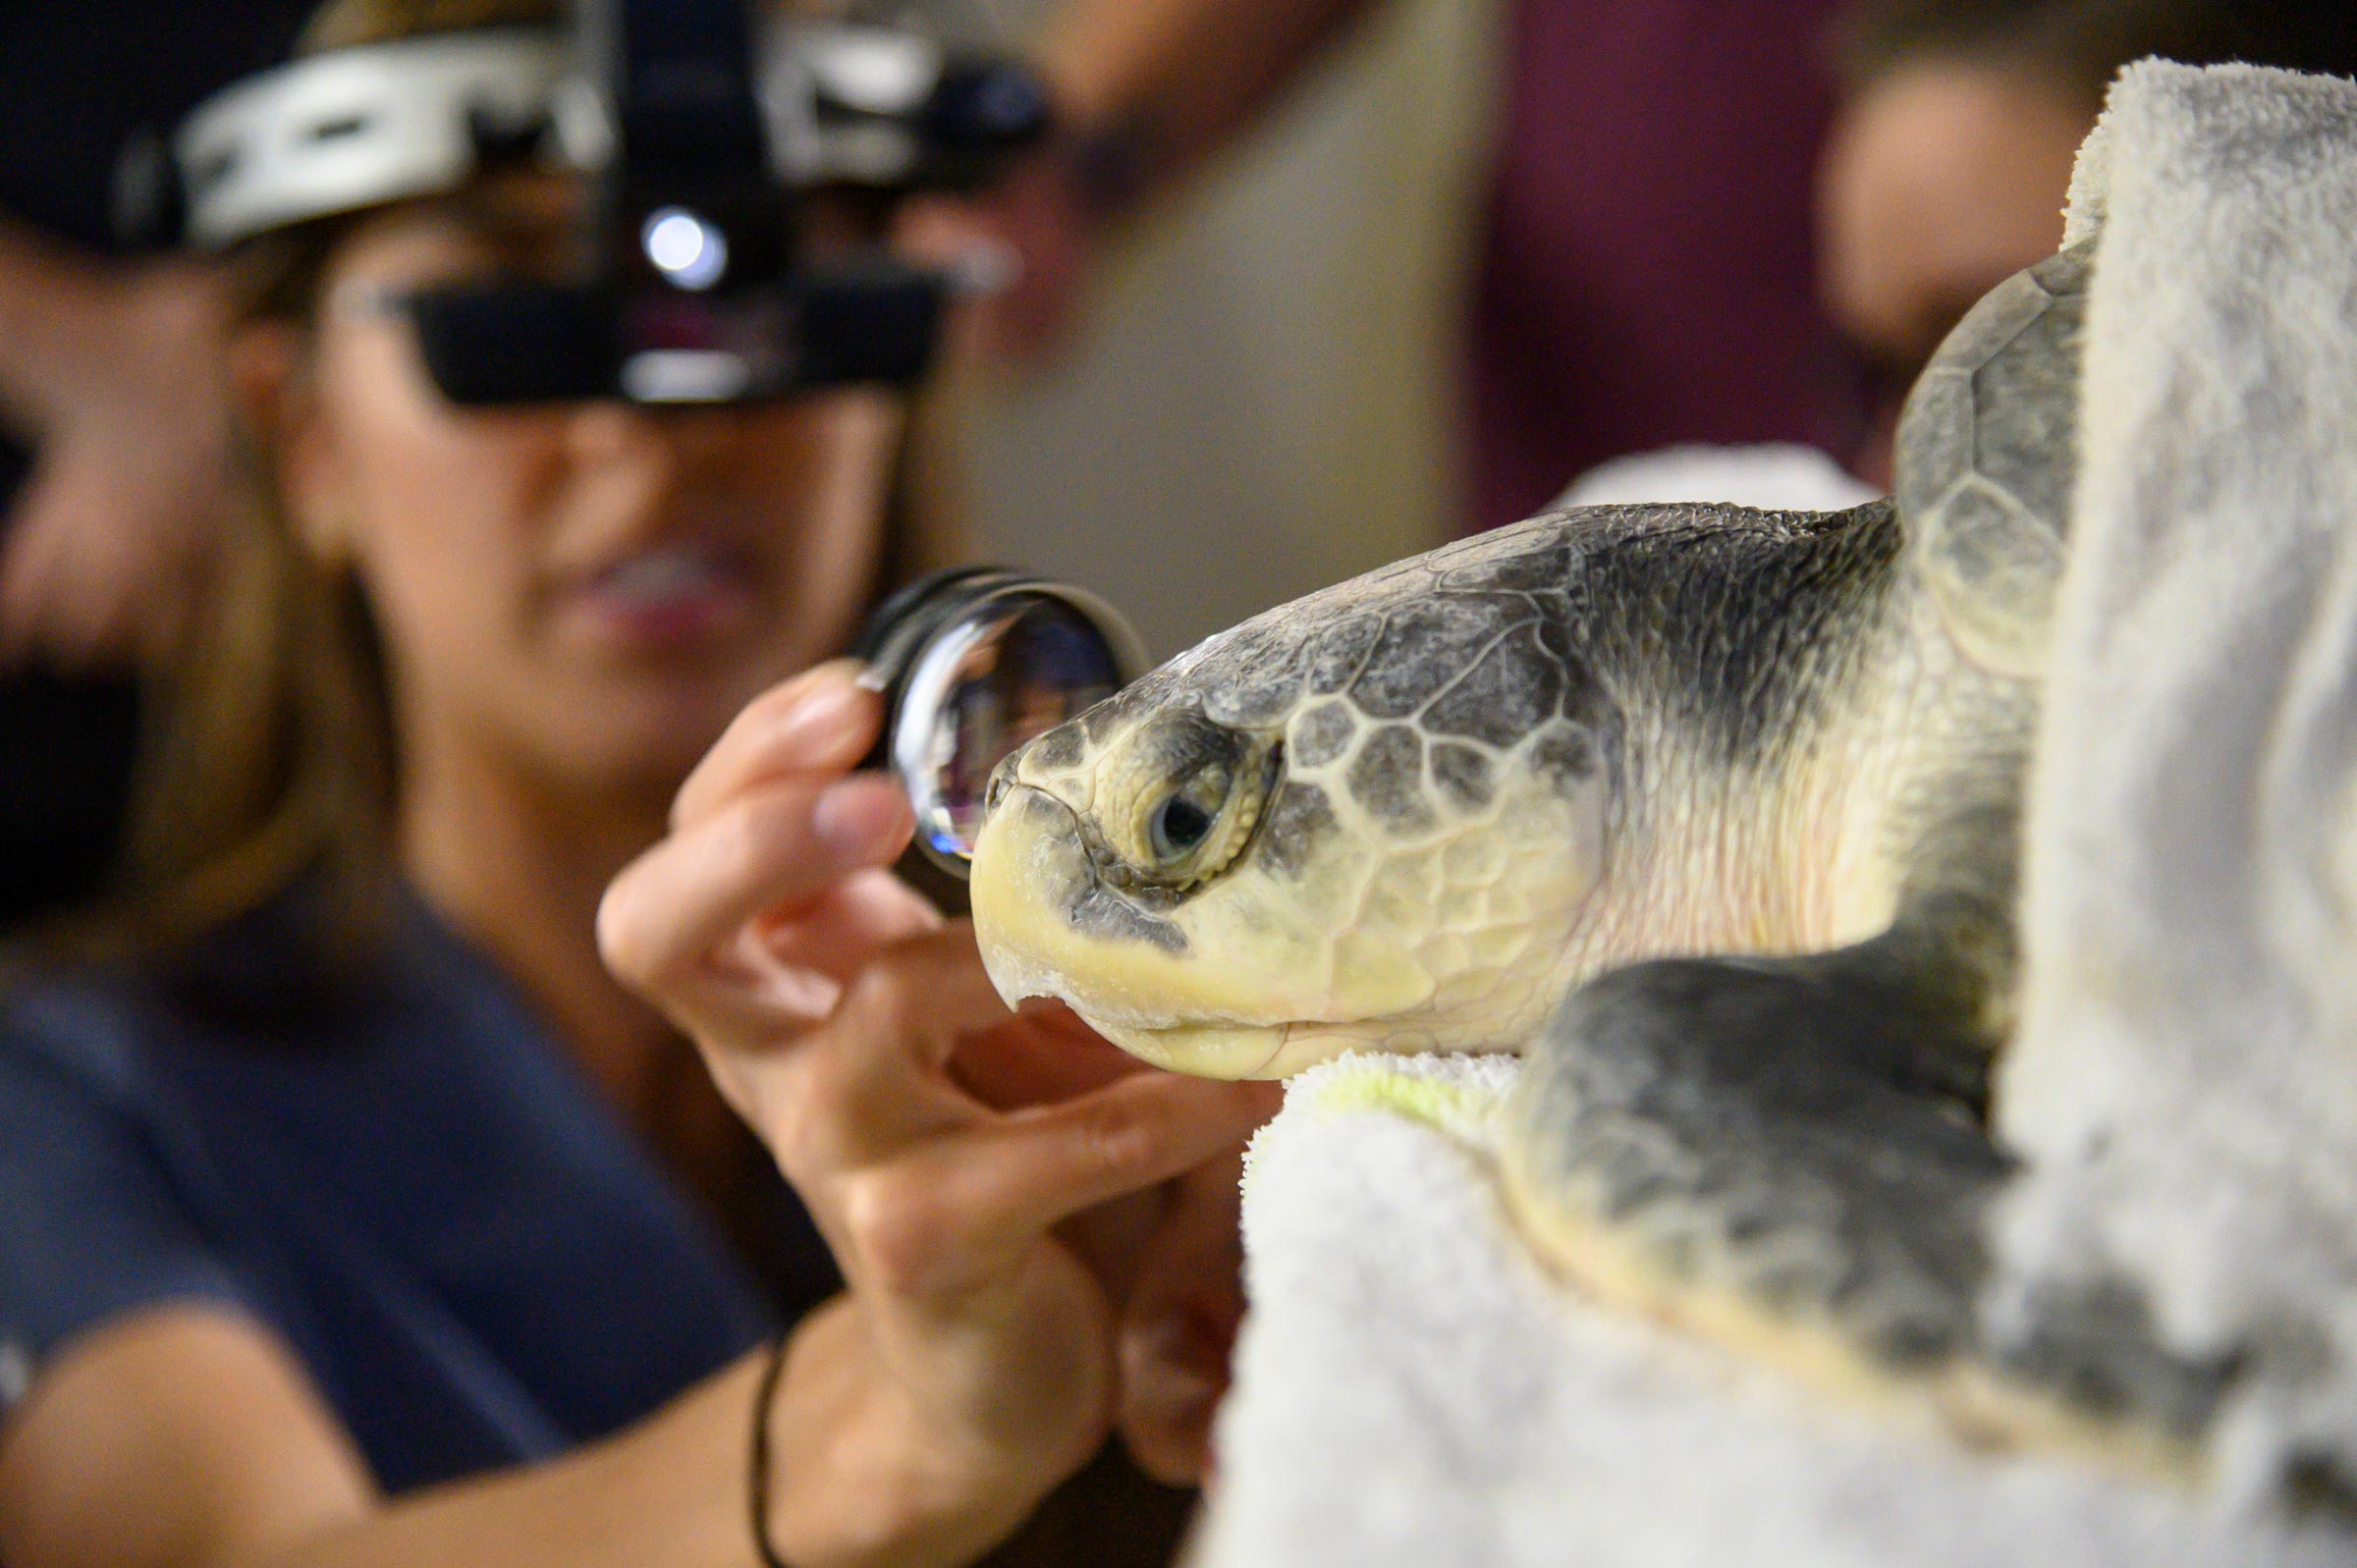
(2080, 44)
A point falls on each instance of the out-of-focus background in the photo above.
(1262, 397)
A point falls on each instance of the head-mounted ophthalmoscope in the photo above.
(704, 125)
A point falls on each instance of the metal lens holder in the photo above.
(973, 663)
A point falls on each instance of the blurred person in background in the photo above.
(114, 462)
(352, 1211)
(1950, 159)
(1705, 224)
(1646, 267)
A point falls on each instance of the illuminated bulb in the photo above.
(688, 251)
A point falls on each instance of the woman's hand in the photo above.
(949, 1150)
(117, 376)
(773, 890)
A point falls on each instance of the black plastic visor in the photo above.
(845, 323)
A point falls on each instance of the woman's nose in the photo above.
(670, 445)
(610, 433)
(626, 458)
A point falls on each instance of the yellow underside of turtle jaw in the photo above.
(1210, 1004)
(1206, 1051)
(1268, 1051)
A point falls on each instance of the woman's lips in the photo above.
(662, 598)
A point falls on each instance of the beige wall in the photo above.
(1261, 402)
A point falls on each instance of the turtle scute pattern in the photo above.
(1792, 1154)
(1419, 686)
(1421, 723)
(1985, 462)
(1445, 746)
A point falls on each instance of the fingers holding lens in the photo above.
(862, 1088)
(1045, 1054)
(844, 929)
(819, 723)
(770, 852)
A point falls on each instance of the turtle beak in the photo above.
(1048, 928)
(1030, 869)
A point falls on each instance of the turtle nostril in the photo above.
(1002, 780)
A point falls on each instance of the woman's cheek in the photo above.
(446, 558)
(828, 468)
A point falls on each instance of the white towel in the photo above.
(2185, 1083)
(1412, 1393)
(1775, 476)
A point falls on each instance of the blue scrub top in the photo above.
(401, 1174)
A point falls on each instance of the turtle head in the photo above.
(1368, 819)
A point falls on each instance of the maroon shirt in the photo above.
(1648, 270)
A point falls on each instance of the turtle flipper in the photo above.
(1782, 1152)
(1789, 1156)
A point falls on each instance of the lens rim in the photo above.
(915, 647)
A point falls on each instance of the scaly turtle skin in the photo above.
(1412, 811)
(1791, 1153)
(1470, 801)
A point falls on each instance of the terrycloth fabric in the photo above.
(1775, 476)
(2185, 1082)
(1412, 1392)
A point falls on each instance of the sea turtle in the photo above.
(1471, 801)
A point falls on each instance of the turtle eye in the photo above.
(1179, 802)
(1185, 816)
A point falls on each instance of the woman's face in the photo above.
(586, 592)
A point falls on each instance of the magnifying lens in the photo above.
(973, 663)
